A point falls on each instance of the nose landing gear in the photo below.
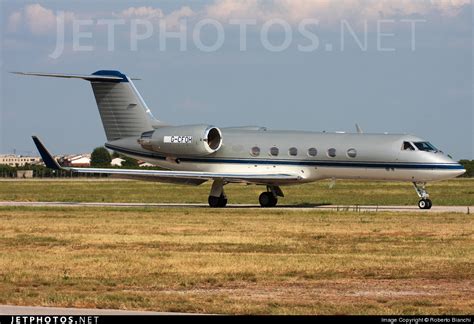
(425, 202)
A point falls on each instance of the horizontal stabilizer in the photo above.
(92, 78)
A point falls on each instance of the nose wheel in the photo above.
(425, 202)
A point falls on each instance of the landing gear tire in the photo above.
(223, 202)
(425, 204)
(217, 202)
(267, 199)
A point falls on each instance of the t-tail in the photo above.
(122, 109)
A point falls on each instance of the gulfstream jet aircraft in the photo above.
(194, 154)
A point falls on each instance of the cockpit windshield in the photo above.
(425, 146)
(407, 146)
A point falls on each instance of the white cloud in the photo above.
(41, 21)
(227, 9)
(141, 12)
(38, 19)
(329, 10)
(14, 21)
(174, 17)
(156, 14)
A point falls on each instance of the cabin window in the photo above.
(352, 153)
(274, 151)
(293, 151)
(407, 146)
(255, 151)
(332, 152)
(312, 151)
(425, 146)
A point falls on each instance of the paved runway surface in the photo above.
(36, 310)
(439, 209)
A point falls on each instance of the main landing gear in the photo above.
(425, 202)
(218, 199)
(269, 198)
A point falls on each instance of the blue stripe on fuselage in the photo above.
(383, 165)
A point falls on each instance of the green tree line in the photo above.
(469, 166)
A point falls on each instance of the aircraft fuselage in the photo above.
(312, 155)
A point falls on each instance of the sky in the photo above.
(401, 66)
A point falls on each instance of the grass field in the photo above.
(234, 261)
(239, 261)
(452, 192)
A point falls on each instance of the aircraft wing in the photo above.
(195, 177)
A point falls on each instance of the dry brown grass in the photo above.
(237, 261)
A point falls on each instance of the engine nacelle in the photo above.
(197, 140)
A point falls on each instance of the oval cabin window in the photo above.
(293, 151)
(274, 151)
(352, 153)
(332, 152)
(255, 151)
(312, 151)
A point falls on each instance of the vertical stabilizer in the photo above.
(122, 110)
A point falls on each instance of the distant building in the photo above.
(145, 164)
(117, 162)
(24, 174)
(77, 161)
(18, 160)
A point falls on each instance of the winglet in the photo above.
(358, 129)
(45, 155)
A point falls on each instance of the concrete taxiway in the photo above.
(439, 209)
